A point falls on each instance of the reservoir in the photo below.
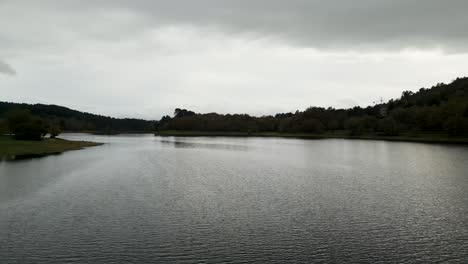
(148, 199)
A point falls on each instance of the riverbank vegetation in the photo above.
(436, 114)
(439, 113)
(26, 137)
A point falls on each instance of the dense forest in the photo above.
(71, 120)
(440, 109)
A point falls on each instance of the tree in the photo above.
(312, 126)
(183, 113)
(16, 117)
(3, 127)
(456, 125)
(34, 129)
(355, 125)
(388, 126)
(54, 131)
(25, 126)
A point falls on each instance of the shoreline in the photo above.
(418, 138)
(11, 150)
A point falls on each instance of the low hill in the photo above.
(442, 108)
(73, 120)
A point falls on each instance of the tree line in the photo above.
(442, 108)
(75, 121)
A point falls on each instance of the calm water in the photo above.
(146, 199)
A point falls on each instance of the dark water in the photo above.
(145, 199)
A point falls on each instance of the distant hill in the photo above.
(73, 120)
(442, 108)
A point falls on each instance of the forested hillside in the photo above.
(72, 120)
(440, 109)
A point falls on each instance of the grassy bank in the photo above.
(11, 149)
(426, 138)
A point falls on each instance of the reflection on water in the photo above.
(187, 144)
(146, 199)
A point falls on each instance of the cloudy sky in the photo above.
(144, 58)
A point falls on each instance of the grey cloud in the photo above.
(332, 24)
(7, 69)
(124, 56)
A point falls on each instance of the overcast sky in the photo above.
(144, 58)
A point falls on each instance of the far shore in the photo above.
(11, 149)
(422, 138)
(106, 133)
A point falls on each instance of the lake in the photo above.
(147, 199)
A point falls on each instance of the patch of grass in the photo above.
(11, 149)
(408, 137)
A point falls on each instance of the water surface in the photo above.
(146, 199)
